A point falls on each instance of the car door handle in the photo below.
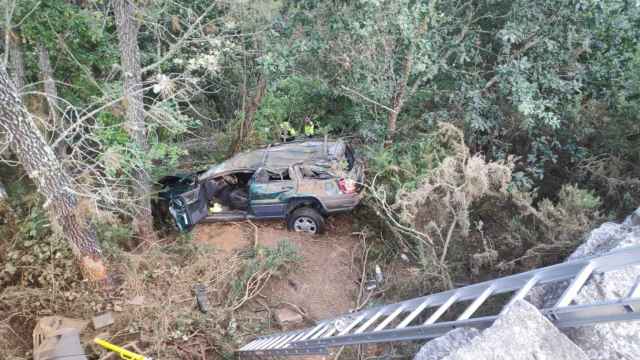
(289, 187)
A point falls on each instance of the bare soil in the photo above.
(226, 237)
(325, 282)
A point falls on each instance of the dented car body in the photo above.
(299, 181)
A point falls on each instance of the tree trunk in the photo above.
(3, 193)
(128, 27)
(398, 99)
(249, 111)
(42, 166)
(17, 62)
(50, 89)
(51, 93)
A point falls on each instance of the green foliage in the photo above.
(291, 100)
(114, 236)
(407, 163)
(265, 261)
(37, 257)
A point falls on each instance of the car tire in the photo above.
(239, 199)
(306, 220)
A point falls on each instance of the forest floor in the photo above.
(153, 306)
(325, 281)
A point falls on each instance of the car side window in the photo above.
(261, 176)
(313, 172)
(264, 176)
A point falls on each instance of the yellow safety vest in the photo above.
(287, 129)
(309, 129)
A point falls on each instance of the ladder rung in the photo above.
(322, 331)
(353, 324)
(635, 290)
(307, 335)
(271, 342)
(260, 343)
(476, 304)
(299, 336)
(390, 318)
(331, 331)
(274, 344)
(524, 290)
(414, 314)
(251, 345)
(356, 328)
(441, 310)
(281, 343)
(572, 290)
(366, 325)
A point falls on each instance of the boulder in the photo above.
(521, 333)
(439, 348)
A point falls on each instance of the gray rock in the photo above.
(439, 348)
(633, 219)
(609, 341)
(521, 333)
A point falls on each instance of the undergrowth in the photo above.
(463, 218)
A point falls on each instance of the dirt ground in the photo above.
(324, 284)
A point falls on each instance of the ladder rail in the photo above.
(358, 327)
(569, 316)
(554, 273)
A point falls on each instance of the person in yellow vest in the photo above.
(309, 127)
(287, 133)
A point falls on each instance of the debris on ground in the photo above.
(102, 320)
(136, 300)
(288, 318)
(56, 337)
(200, 292)
(122, 352)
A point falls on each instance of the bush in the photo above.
(37, 256)
(464, 216)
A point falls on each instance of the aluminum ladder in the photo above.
(418, 318)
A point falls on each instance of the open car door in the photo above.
(189, 207)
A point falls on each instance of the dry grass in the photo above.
(153, 304)
(168, 317)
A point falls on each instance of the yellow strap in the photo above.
(124, 353)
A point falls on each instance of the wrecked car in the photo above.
(302, 182)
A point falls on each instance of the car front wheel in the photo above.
(306, 220)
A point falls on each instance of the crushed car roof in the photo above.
(279, 156)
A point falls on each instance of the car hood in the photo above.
(280, 156)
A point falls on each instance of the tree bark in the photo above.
(249, 111)
(127, 28)
(16, 61)
(399, 97)
(51, 93)
(42, 166)
(50, 89)
(3, 193)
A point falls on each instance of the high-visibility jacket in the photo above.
(309, 128)
(286, 129)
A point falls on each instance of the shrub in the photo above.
(465, 215)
